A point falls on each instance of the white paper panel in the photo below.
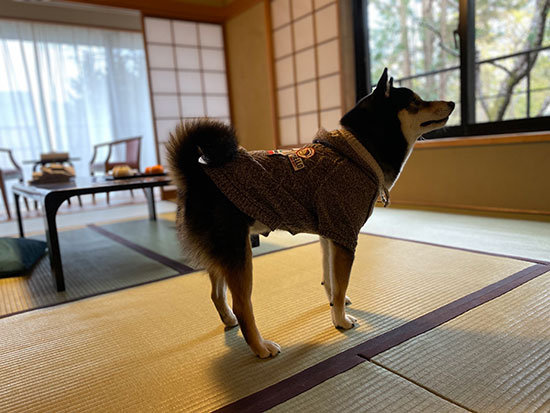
(192, 106)
(330, 119)
(224, 120)
(288, 131)
(282, 42)
(217, 106)
(305, 65)
(213, 59)
(321, 3)
(287, 102)
(190, 82)
(307, 97)
(158, 30)
(328, 58)
(326, 23)
(165, 127)
(166, 106)
(211, 35)
(280, 12)
(163, 81)
(300, 8)
(285, 71)
(161, 56)
(187, 58)
(303, 33)
(329, 92)
(185, 33)
(189, 55)
(308, 127)
(215, 82)
(163, 155)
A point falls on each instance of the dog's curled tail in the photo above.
(215, 141)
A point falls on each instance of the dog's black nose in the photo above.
(451, 105)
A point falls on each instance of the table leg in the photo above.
(19, 219)
(50, 210)
(150, 194)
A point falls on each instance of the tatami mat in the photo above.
(367, 388)
(161, 345)
(495, 358)
(92, 264)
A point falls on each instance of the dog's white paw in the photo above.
(344, 323)
(267, 349)
(229, 319)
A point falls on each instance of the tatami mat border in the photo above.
(307, 379)
(433, 244)
(182, 268)
(178, 266)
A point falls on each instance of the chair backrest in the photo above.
(131, 148)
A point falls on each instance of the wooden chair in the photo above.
(7, 173)
(131, 148)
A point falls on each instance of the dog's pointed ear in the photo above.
(383, 88)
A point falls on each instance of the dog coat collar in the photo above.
(365, 156)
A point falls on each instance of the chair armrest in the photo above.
(12, 159)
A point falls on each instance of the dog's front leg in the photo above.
(240, 285)
(341, 260)
(327, 268)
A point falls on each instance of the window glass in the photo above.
(414, 38)
(512, 87)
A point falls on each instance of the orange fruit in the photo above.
(157, 169)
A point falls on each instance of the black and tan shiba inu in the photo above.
(328, 187)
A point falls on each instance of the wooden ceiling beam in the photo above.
(179, 9)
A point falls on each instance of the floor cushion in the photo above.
(18, 255)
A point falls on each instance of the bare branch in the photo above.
(508, 71)
(544, 106)
(524, 63)
(479, 94)
(449, 50)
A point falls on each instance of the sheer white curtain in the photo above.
(65, 88)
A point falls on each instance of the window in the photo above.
(66, 88)
(491, 57)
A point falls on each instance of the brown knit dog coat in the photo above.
(324, 188)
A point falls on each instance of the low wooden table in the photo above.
(52, 195)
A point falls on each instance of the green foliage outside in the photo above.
(413, 37)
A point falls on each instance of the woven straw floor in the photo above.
(161, 346)
(368, 388)
(495, 358)
(93, 263)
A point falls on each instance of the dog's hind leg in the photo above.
(219, 298)
(341, 260)
(326, 249)
(239, 281)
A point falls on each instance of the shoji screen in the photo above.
(306, 47)
(187, 73)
